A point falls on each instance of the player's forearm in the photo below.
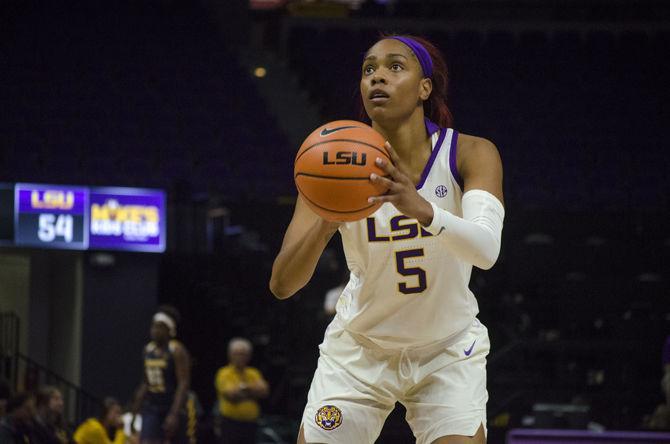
(139, 397)
(179, 398)
(475, 238)
(296, 262)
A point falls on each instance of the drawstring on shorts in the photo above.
(405, 363)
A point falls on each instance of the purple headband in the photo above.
(420, 52)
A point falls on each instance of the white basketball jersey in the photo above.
(406, 288)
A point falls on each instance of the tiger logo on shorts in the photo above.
(328, 417)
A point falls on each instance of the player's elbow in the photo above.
(487, 258)
(485, 264)
(279, 289)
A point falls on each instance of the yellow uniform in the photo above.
(228, 378)
(93, 432)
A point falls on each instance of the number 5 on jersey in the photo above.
(419, 272)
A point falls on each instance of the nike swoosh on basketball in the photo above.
(326, 131)
(469, 350)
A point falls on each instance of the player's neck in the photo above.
(410, 140)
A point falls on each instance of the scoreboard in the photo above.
(49, 215)
(81, 218)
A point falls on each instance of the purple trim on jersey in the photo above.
(431, 160)
(431, 127)
(666, 352)
(452, 160)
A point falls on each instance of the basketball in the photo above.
(333, 167)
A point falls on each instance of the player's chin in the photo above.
(377, 112)
(384, 117)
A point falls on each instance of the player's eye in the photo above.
(396, 67)
(368, 69)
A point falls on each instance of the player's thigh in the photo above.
(152, 427)
(451, 400)
(301, 436)
(344, 420)
(342, 408)
(479, 438)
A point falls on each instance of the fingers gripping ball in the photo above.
(333, 167)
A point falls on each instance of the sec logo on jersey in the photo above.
(328, 417)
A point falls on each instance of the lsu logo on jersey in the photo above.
(328, 417)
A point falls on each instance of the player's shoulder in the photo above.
(476, 149)
(177, 348)
(468, 143)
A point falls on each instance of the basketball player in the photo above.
(406, 327)
(167, 377)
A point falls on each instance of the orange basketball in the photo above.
(333, 166)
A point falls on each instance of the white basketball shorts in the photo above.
(356, 385)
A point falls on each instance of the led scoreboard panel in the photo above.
(80, 218)
(127, 219)
(50, 215)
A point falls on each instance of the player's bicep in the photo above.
(182, 365)
(481, 168)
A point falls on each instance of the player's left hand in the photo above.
(401, 190)
(170, 425)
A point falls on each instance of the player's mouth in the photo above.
(378, 96)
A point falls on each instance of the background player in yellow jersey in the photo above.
(238, 387)
(105, 429)
(167, 378)
(406, 328)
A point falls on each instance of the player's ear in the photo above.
(425, 88)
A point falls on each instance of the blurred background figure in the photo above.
(333, 295)
(17, 425)
(167, 377)
(49, 424)
(107, 428)
(238, 388)
(194, 419)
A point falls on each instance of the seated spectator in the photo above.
(50, 425)
(16, 427)
(105, 429)
(238, 388)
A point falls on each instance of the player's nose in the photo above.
(378, 77)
